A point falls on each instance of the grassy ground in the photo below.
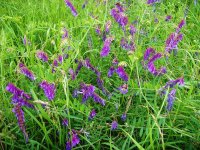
(148, 124)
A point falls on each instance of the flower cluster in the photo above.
(125, 44)
(24, 70)
(121, 73)
(88, 91)
(59, 59)
(114, 125)
(148, 62)
(171, 95)
(73, 140)
(168, 18)
(106, 47)
(128, 43)
(19, 113)
(92, 114)
(49, 89)
(174, 38)
(42, 55)
(19, 99)
(118, 14)
(73, 10)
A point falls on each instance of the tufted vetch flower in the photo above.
(49, 89)
(24, 70)
(121, 73)
(150, 56)
(170, 99)
(123, 88)
(114, 125)
(16, 91)
(87, 91)
(42, 55)
(72, 8)
(106, 48)
(92, 114)
(20, 118)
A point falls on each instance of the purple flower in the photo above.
(55, 63)
(114, 125)
(42, 55)
(60, 58)
(119, 7)
(75, 139)
(98, 30)
(68, 145)
(148, 52)
(172, 42)
(111, 71)
(71, 72)
(73, 10)
(108, 25)
(181, 24)
(80, 65)
(92, 114)
(170, 99)
(124, 43)
(168, 18)
(127, 45)
(65, 122)
(16, 91)
(174, 38)
(121, 73)
(171, 84)
(119, 17)
(123, 117)
(98, 99)
(65, 34)
(87, 91)
(151, 67)
(20, 118)
(106, 48)
(49, 89)
(152, 1)
(100, 85)
(132, 30)
(150, 62)
(123, 21)
(86, 63)
(16, 99)
(24, 70)
(123, 89)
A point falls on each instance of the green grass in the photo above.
(148, 124)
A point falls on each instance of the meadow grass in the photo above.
(148, 124)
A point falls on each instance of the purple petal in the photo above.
(24, 70)
(49, 89)
(42, 55)
(111, 71)
(73, 10)
(92, 114)
(123, 89)
(98, 99)
(114, 125)
(121, 73)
